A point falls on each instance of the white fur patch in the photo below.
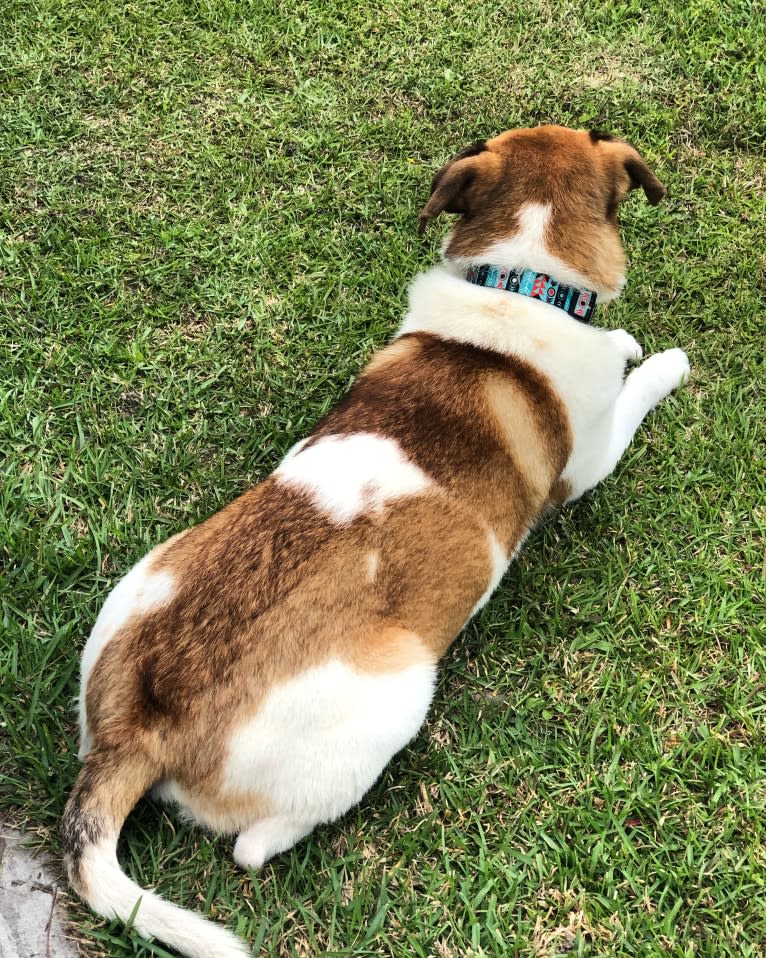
(347, 475)
(584, 367)
(321, 739)
(500, 563)
(373, 559)
(138, 593)
(295, 448)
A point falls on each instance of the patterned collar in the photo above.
(579, 303)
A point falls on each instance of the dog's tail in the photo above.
(108, 786)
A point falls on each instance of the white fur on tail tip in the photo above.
(347, 475)
(112, 894)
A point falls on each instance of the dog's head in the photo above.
(545, 199)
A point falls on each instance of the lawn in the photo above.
(208, 216)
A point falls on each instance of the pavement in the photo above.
(32, 919)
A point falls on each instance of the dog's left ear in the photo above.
(459, 184)
(641, 175)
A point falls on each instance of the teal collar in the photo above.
(579, 303)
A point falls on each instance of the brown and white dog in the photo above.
(262, 668)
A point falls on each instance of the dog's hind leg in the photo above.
(268, 837)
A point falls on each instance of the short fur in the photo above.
(261, 668)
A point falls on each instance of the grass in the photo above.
(207, 224)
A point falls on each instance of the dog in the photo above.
(261, 669)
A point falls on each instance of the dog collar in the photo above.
(579, 303)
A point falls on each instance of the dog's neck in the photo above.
(445, 305)
(526, 249)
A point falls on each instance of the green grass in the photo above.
(207, 224)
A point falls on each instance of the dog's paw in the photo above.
(626, 344)
(664, 372)
(251, 850)
(267, 837)
(671, 366)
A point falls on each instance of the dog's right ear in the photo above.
(452, 187)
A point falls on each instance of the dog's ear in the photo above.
(641, 175)
(635, 165)
(452, 188)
